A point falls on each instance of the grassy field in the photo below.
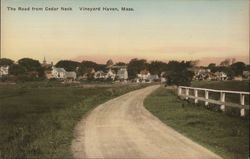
(226, 135)
(37, 118)
(224, 85)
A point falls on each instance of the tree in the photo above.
(89, 64)
(101, 67)
(109, 63)
(194, 63)
(226, 62)
(6, 62)
(156, 67)
(233, 60)
(178, 73)
(68, 65)
(182, 78)
(247, 68)
(135, 66)
(120, 64)
(212, 67)
(16, 69)
(229, 72)
(30, 64)
(238, 68)
(178, 66)
(84, 65)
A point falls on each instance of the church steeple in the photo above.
(44, 61)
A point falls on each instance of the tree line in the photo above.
(176, 72)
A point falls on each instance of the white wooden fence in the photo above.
(184, 92)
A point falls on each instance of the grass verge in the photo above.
(37, 121)
(224, 85)
(225, 135)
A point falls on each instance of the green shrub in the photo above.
(182, 78)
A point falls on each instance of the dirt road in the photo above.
(123, 128)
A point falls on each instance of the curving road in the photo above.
(123, 128)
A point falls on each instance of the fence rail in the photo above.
(222, 101)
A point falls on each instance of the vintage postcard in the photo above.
(124, 79)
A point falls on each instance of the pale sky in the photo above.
(156, 30)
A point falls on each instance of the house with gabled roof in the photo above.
(111, 74)
(70, 75)
(122, 74)
(144, 75)
(100, 75)
(221, 76)
(59, 73)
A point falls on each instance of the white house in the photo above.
(153, 78)
(144, 76)
(58, 73)
(111, 74)
(4, 70)
(246, 74)
(163, 76)
(201, 73)
(100, 75)
(122, 74)
(221, 76)
(70, 75)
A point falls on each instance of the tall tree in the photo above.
(109, 63)
(212, 67)
(238, 68)
(89, 64)
(194, 63)
(16, 69)
(247, 68)
(181, 78)
(175, 66)
(135, 66)
(156, 67)
(30, 64)
(178, 73)
(6, 62)
(120, 64)
(68, 65)
(226, 62)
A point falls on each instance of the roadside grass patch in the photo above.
(225, 135)
(37, 121)
(243, 86)
(223, 85)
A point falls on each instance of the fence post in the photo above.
(179, 91)
(187, 93)
(222, 99)
(196, 96)
(206, 97)
(242, 102)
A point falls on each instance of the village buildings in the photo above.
(119, 73)
(59, 73)
(206, 74)
(122, 74)
(246, 75)
(4, 70)
(45, 64)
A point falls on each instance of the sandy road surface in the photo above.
(123, 128)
